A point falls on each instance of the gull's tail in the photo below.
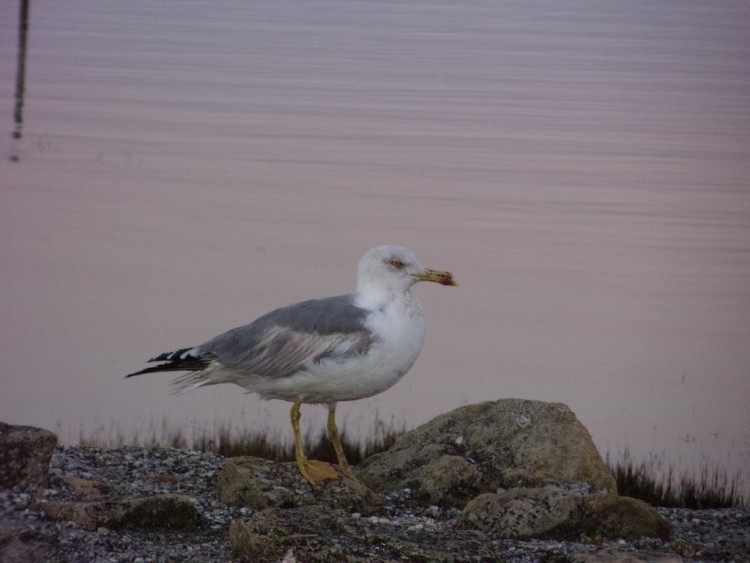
(180, 360)
(187, 359)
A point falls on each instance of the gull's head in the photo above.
(394, 269)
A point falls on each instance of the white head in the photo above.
(393, 270)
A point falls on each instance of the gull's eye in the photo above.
(397, 264)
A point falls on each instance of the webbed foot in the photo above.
(316, 471)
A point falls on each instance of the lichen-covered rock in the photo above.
(481, 448)
(25, 453)
(156, 511)
(557, 513)
(321, 534)
(613, 516)
(258, 483)
(522, 513)
(87, 487)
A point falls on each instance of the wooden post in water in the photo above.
(23, 28)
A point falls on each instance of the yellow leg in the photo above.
(313, 471)
(333, 434)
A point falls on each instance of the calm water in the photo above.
(582, 167)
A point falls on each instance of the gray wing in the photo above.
(288, 339)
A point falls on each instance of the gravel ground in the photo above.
(706, 535)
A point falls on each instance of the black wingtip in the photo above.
(170, 356)
(147, 370)
(173, 361)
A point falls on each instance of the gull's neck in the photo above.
(378, 296)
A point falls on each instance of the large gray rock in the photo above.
(489, 446)
(258, 484)
(25, 453)
(561, 514)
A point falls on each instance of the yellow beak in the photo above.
(443, 278)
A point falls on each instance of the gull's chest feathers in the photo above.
(398, 333)
(398, 329)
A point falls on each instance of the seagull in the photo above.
(321, 351)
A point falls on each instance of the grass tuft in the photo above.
(659, 484)
(258, 444)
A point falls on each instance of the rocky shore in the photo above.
(428, 499)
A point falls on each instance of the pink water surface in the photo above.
(582, 168)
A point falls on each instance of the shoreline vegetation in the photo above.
(654, 481)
